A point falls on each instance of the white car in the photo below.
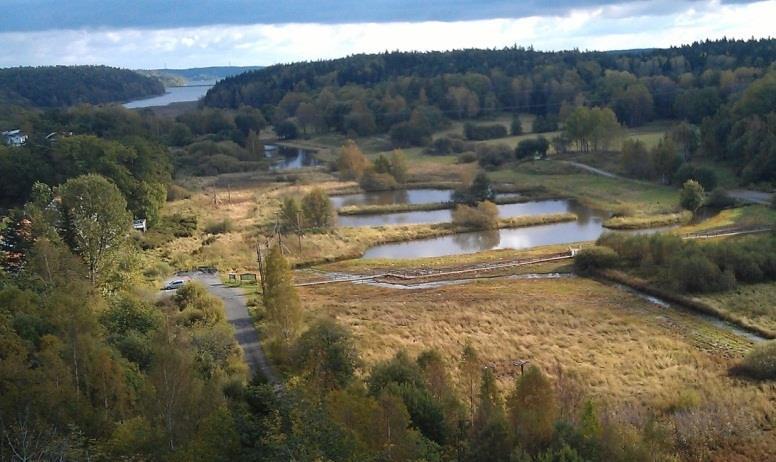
(173, 285)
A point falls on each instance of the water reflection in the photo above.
(401, 196)
(588, 228)
(290, 158)
(445, 216)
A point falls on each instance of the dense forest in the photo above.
(410, 95)
(59, 86)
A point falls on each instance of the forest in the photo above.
(61, 86)
(411, 95)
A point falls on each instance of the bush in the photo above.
(448, 145)
(483, 132)
(703, 175)
(175, 192)
(220, 227)
(535, 147)
(493, 155)
(406, 134)
(692, 195)
(466, 158)
(516, 128)
(760, 363)
(286, 130)
(543, 124)
(373, 181)
(595, 258)
(719, 199)
(483, 216)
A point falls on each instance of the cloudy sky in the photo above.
(193, 33)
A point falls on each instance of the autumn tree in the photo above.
(96, 220)
(352, 163)
(290, 215)
(284, 310)
(317, 209)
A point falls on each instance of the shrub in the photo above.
(175, 192)
(532, 147)
(317, 209)
(719, 199)
(703, 175)
(466, 158)
(483, 216)
(543, 124)
(595, 258)
(516, 128)
(483, 132)
(493, 155)
(374, 181)
(760, 363)
(406, 134)
(220, 227)
(691, 197)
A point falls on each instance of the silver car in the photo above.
(173, 285)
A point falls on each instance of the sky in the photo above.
(149, 34)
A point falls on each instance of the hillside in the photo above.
(179, 77)
(59, 86)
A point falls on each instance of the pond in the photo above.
(402, 196)
(446, 216)
(588, 227)
(192, 92)
(290, 158)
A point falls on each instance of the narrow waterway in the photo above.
(290, 158)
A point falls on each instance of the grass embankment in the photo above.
(379, 209)
(696, 304)
(755, 304)
(648, 221)
(749, 216)
(598, 192)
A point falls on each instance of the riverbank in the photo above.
(685, 301)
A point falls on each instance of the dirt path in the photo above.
(591, 169)
(238, 316)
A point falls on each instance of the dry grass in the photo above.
(648, 221)
(622, 349)
(755, 303)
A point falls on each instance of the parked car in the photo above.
(173, 285)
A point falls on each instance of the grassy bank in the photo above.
(378, 209)
(648, 221)
(695, 304)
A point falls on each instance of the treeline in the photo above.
(686, 265)
(368, 93)
(89, 368)
(60, 86)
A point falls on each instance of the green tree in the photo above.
(96, 220)
(398, 166)
(281, 300)
(692, 195)
(317, 209)
(290, 215)
(533, 409)
(516, 127)
(470, 376)
(325, 353)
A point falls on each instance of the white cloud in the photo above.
(632, 25)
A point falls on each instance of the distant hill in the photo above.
(177, 77)
(58, 86)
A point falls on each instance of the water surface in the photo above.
(290, 158)
(446, 216)
(172, 95)
(401, 196)
(588, 227)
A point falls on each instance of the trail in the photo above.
(238, 316)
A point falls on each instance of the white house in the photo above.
(14, 137)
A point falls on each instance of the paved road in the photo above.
(756, 197)
(238, 316)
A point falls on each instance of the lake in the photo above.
(588, 227)
(173, 95)
(446, 216)
(401, 196)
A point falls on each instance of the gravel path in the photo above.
(238, 316)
